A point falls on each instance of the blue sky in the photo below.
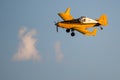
(31, 49)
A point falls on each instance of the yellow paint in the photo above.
(103, 20)
(66, 15)
(81, 27)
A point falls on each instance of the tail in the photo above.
(103, 20)
(66, 15)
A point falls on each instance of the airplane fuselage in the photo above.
(76, 24)
(79, 26)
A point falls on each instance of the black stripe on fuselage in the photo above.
(71, 21)
(97, 24)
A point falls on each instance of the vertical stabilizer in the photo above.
(103, 20)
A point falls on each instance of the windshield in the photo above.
(82, 17)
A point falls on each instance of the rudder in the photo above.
(103, 20)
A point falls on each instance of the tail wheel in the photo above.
(72, 34)
(101, 28)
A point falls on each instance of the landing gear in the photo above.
(72, 34)
(101, 28)
(67, 30)
(72, 30)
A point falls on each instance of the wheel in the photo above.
(67, 30)
(72, 34)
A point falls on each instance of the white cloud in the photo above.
(27, 46)
(59, 55)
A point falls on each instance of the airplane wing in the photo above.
(66, 15)
(87, 32)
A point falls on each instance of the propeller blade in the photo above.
(57, 28)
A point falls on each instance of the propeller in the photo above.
(56, 26)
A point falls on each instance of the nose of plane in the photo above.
(56, 24)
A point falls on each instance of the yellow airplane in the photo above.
(80, 24)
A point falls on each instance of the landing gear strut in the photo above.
(72, 32)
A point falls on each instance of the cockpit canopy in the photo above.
(82, 18)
